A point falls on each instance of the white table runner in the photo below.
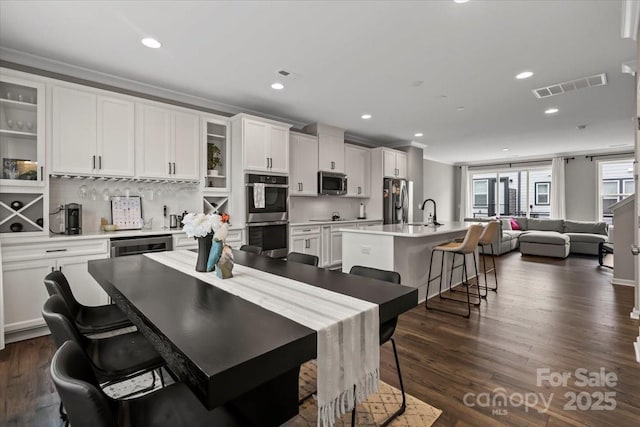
(347, 328)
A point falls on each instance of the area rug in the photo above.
(376, 409)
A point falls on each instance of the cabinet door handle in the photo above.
(307, 243)
(52, 269)
(333, 165)
(41, 173)
(56, 250)
(359, 190)
(271, 162)
(169, 168)
(93, 165)
(306, 229)
(267, 162)
(99, 162)
(174, 168)
(60, 269)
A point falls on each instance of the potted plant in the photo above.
(213, 159)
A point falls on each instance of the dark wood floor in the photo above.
(549, 313)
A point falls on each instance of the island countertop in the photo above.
(405, 230)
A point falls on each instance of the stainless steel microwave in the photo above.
(332, 183)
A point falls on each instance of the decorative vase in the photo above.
(204, 247)
(212, 172)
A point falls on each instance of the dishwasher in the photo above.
(123, 246)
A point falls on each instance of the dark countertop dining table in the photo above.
(227, 350)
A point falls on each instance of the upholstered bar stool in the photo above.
(486, 242)
(464, 248)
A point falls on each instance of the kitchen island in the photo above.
(405, 249)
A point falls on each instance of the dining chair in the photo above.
(251, 248)
(486, 240)
(114, 359)
(89, 320)
(88, 405)
(386, 332)
(303, 258)
(468, 246)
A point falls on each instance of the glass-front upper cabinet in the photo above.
(216, 156)
(22, 119)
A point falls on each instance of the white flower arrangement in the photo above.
(200, 225)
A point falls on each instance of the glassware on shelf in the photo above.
(105, 195)
(32, 99)
(30, 126)
(9, 96)
(93, 193)
(20, 97)
(20, 124)
(10, 123)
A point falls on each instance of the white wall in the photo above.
(178, 198)
(440, 182)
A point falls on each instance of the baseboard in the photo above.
(26, 334)
(623, 282)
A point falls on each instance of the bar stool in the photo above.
(486, 239)
(467, 246)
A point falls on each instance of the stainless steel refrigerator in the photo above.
(398, 201)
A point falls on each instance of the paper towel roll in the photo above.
(362, 214)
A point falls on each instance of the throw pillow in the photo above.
(506, 224)
(514, 224)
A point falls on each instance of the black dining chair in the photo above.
(88, 406)
(114, 359)
(303, 258)
(251, 248)
(89, 320)
(386, 331)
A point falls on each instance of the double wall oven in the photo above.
(268, 213)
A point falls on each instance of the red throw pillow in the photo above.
(514, 224)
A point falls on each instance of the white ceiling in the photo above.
(361, 57)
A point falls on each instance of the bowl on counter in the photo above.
(109, 227)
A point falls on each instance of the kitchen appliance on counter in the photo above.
(123, 246)
(73, 218)
(268, 213)
(332, 183)
(398, 201)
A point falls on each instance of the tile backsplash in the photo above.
(95, 198)
(321, 207)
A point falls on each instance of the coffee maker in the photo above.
(72, 218)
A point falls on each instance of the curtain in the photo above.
(465, 207)
(557, 188)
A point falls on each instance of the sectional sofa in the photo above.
(548, 237)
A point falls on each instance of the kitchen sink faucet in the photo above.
(435, 218)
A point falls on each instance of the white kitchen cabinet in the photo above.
(22, 130)
(330, 147)
(304, 164)
(335, 257)
(24, 293)
(24, 267)
(92, 134)
(235, 238)
(265, 145)
(394, 164)
(306, 240)
(168, 143)
(357, 169)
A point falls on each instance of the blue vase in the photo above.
(214, 254)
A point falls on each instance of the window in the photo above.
(480, 192)
(511, 192)
(616, 184)
(542, 193)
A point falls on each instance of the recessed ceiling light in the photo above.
(524, 75)
(460, 1)
(551, 111)
(366, 116)
(505, 149)
(418, 135)
(277, 86)
(151, 42)
(460, 109)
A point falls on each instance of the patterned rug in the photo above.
(376, 409)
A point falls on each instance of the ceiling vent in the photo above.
(564, 87)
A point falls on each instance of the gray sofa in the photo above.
(548, 237)
(559, 238)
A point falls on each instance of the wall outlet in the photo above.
(365, 250)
